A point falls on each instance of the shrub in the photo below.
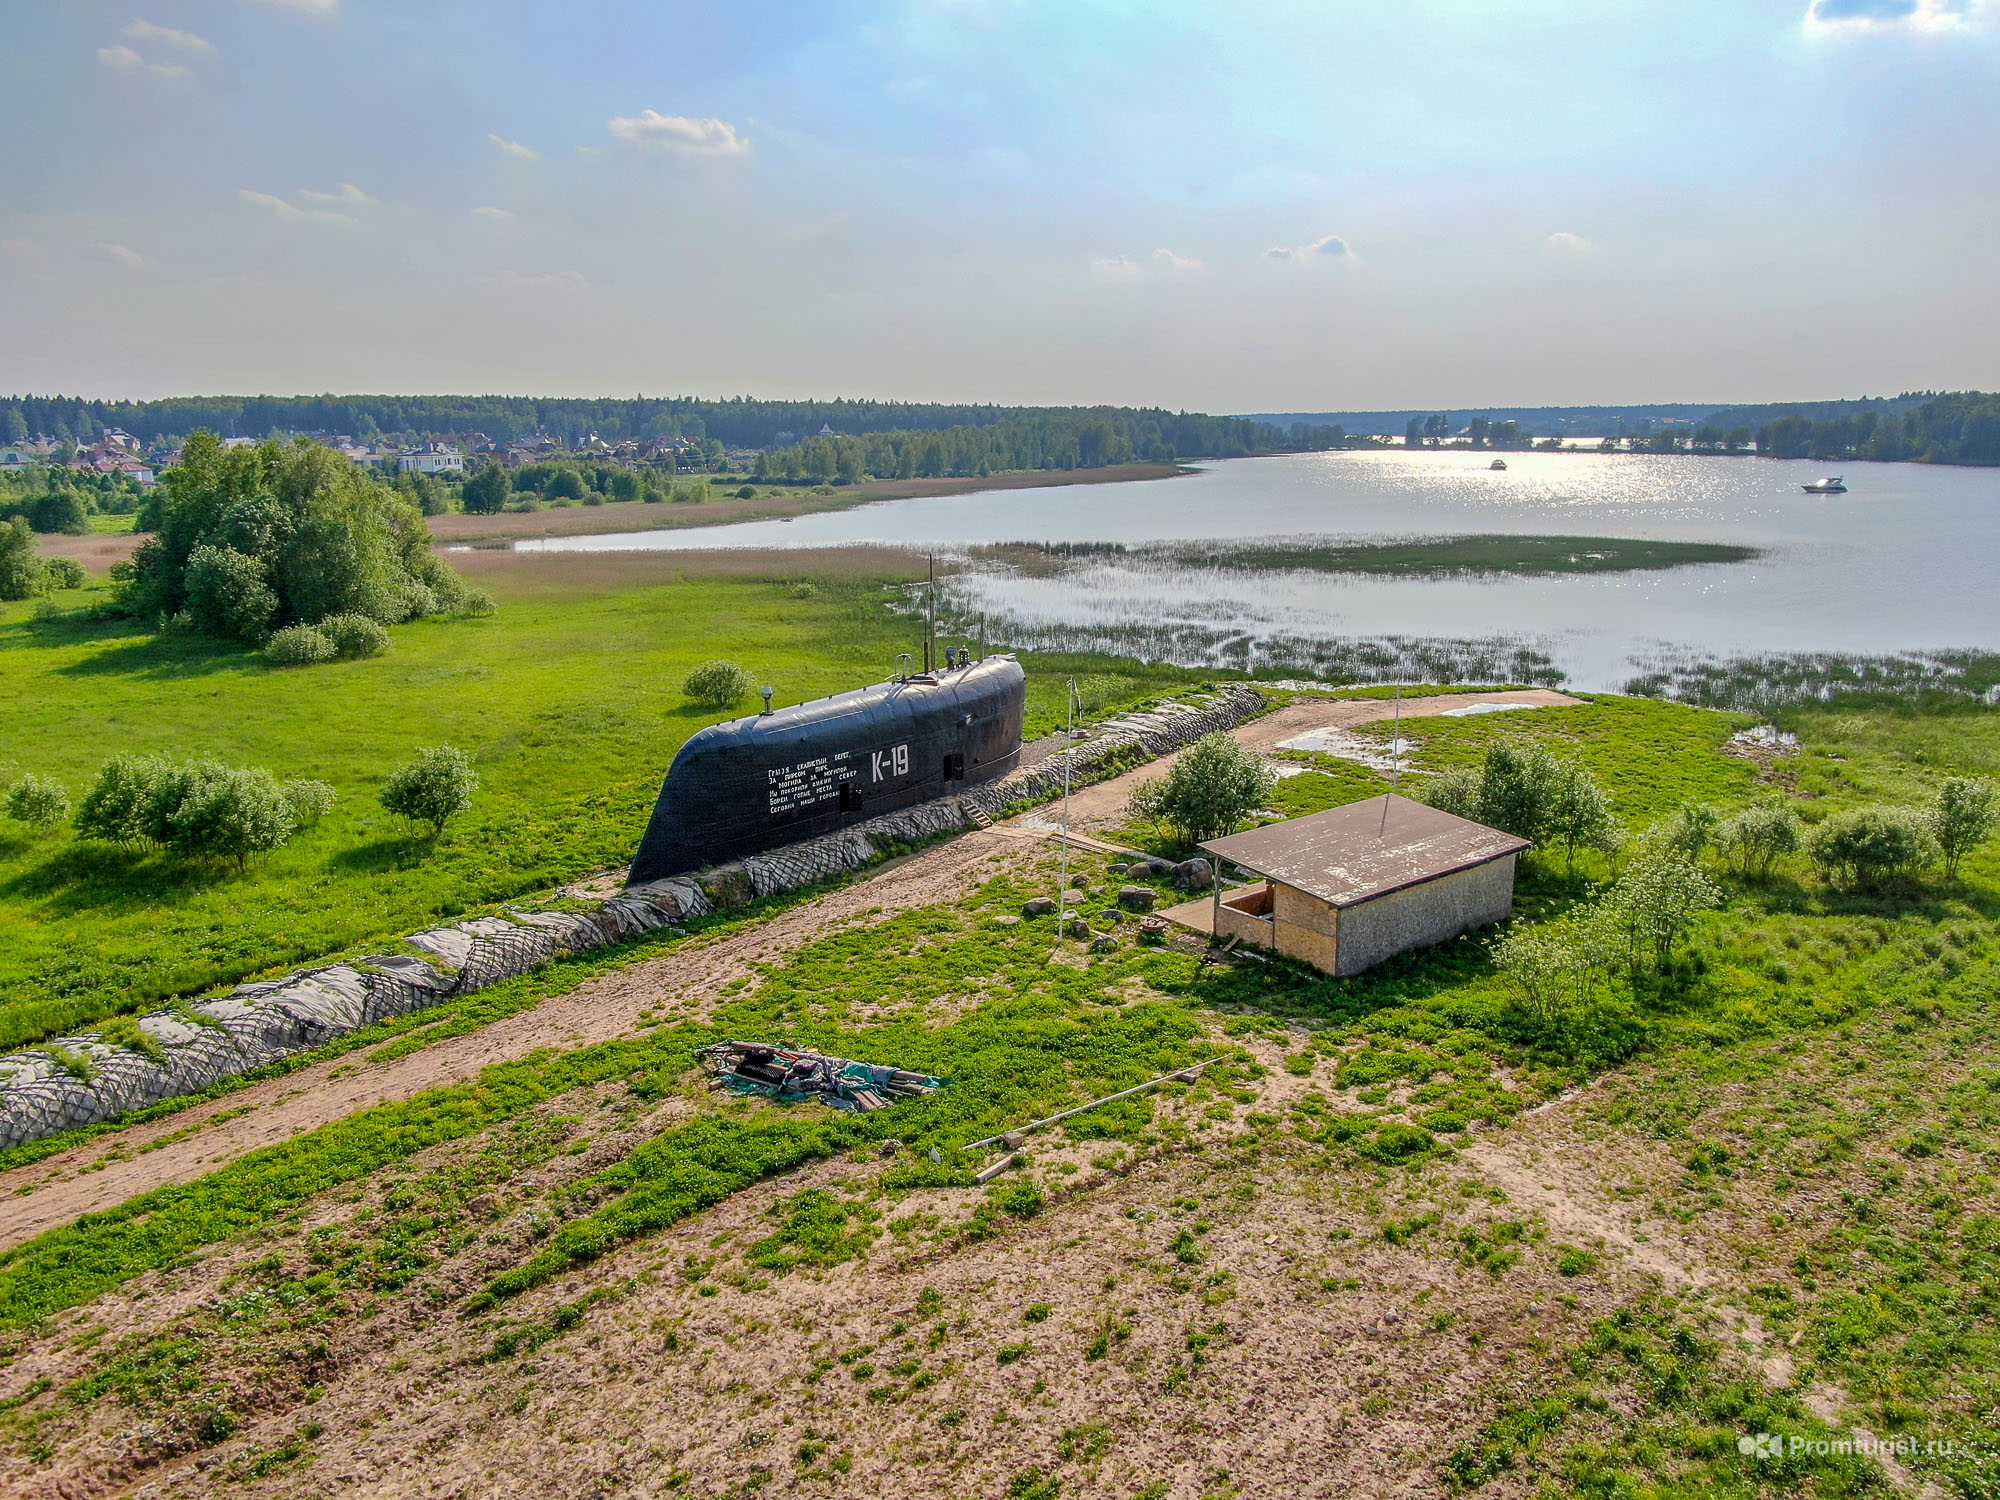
(747, 492)
(21, 573)
(63, 573)
(308, 801)
(1580, 815)
(1657, 899)
(113, 809)
(39, 802)
(356, 635)
(227, 594)
(299, 646)
(1517, 790)
(625, 485)
(418, 600)
(432, 789)
(1212, 786)
(1693, 830)
(718, 684)
(1758, 837)
(473, 603)
(1869, 847)
(1961, 819)
(1526, 791)
(1455, 791)
(230, 813)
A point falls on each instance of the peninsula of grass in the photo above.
(568, 699)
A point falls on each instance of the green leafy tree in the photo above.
(39, 801)
(63, 573)
(565, 484)
(231, 813)
(1694, 829)
(1554, 966)
(1657, 900)
(1212, 786)
(432, 789)
(1758, 837)
(1962, 817)
(113, 808)
(227, 594)
(1456, 791)
(61, 511)
(718, 684)
(1580, 815)
(1869, 848)
(21, 575)
(487, 491)
(1517, 790)
(625, 485)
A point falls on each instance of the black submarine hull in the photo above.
(798, 773)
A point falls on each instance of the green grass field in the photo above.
(568, 699)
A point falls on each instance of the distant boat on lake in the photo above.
(1830, 485)
(1498, 463)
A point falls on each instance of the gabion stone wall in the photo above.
(84, 1080)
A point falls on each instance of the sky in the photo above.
(1225, 207)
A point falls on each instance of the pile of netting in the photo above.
(791, 1075)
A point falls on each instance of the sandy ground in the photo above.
(112, 1168)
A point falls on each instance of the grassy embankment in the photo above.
(1812, 1090)
(568, 700)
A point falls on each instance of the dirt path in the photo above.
(105, 1172)
(1104, 804)
(115, 1167)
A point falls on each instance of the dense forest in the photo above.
(1961, 428)
(739, 422)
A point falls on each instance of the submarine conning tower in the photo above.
(795, 773)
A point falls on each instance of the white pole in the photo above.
(1395, 759)
(1074, 704)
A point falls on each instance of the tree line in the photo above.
(1958, 428)
(740, 421)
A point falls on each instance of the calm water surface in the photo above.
(1905, 561)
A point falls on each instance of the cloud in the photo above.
(1565, 243)
(349, 195)
(125, 255)
(1177, 262)
(679, 134)
(548, 281)
(1115, 265)
(272, 202)
(187, 41)
(490, 215)
(327, 8)
(514, 148)
(168, 70)
(1326, 247)
(1824, 16)
(119, 57)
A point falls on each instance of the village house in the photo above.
(431, 458)
(1347, 888)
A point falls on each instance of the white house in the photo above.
(432, 458)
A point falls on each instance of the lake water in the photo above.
(1902, 563)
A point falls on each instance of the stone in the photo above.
(1078, 882)
(1193, 875)
(1007, 921)
(1103, 943)
(1137, 897)
(1038, 906)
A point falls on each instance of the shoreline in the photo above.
(97, 551)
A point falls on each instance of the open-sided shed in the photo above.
(1346, 888)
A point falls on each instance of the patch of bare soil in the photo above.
(683, 982)
(1214, 1313)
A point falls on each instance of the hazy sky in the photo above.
(1245, 207)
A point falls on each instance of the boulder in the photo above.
(1007, 921)
(1079, 881)
(1193, 875)
(1103, 944)
(1074, 926)
(1159, 869)
(1136, 897)
(1038, 906)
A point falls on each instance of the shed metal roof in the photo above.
(1347, 855)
